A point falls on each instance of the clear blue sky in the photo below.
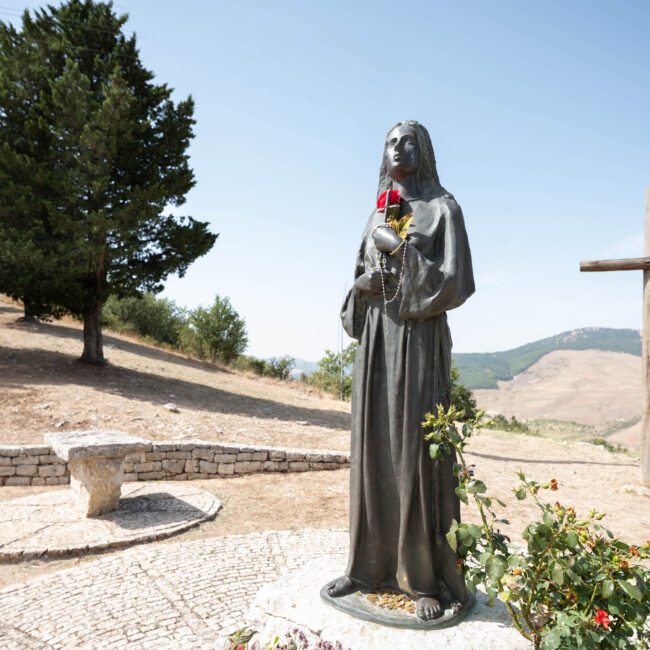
(539, 115)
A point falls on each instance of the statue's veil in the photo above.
(427, 173)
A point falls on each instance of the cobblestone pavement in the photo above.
(181, 595)
(49, 522)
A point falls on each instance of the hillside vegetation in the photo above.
(483, 369)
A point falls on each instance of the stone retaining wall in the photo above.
(178, 461)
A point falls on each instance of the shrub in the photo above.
(461, 396)
(216, 332)
(328, 375)
(253, 364)
(503, 424)
(280, 367)
(156, 318)
(574, 585)
(609, 446)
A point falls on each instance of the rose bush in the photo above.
(574, 585)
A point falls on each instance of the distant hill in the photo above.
(483, 369)
(303, 367)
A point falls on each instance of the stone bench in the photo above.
(96, 464)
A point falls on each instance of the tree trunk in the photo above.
(93, 343)
(28, 316)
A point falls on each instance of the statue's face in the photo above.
(402, 151)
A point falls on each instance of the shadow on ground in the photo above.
(38, 366)
(154, 509)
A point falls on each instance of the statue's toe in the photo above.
(428, 608)
(341, 586)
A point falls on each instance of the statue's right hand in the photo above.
(368, 282)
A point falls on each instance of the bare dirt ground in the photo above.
(38, 368)
(590, 387)
(44, 388)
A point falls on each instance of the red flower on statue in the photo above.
(602, 618)
(394, 199)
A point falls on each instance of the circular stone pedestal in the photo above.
(295, 602)
(50, 523)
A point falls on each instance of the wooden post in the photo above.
(645, 434)
(638, 264)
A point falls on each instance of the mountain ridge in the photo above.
(485, 369)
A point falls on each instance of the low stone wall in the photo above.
(177, 461)
(32, 465)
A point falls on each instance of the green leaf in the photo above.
(613, 608)
(485, 500)
(434, 451)
(451, 540)
(608, 588)
(463, 534)
(485, 556)
(514, 561)
(572, 574)
(464, 548)
(476, 487)
(535, 544)
(631, 589)
(475, 531)
(553, 639)
(557, 574)
(467, 430)
(454, 526)
(548, 520)
(462, 495)
(496, 567)
(521, 493)
(571, 539)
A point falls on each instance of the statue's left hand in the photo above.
(386, 240)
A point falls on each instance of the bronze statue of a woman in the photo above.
(402, 502)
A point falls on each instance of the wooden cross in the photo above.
(636, 264)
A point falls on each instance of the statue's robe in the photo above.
(402, 502)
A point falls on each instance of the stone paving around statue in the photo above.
(293, 602)
(50, 522)
(178, 595)
(181, 595)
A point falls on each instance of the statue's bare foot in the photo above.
(428, 608)
(341, 586)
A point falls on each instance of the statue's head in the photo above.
(408, 150)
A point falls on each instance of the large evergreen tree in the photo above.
(92, 152)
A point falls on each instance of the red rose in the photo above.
(602, 618)
(394, 199)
